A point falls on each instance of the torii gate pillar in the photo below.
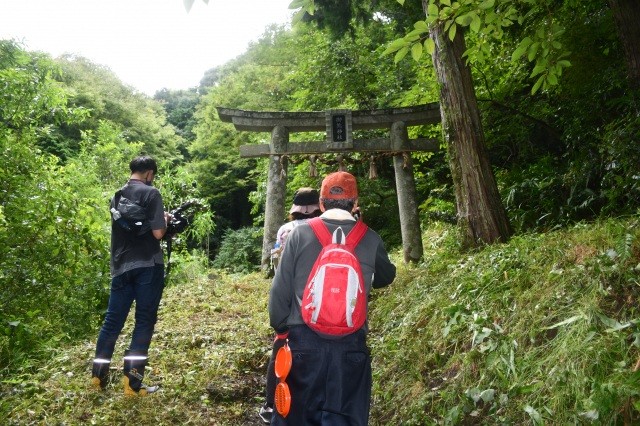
(276, 190)
(406, 187)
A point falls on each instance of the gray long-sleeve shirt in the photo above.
(300, 254)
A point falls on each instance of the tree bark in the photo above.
(626, 14)
(481, 215)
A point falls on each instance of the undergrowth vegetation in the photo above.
(542, 330)
(209, 355)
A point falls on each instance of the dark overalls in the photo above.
(325, 377)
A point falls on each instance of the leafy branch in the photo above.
(487, 20)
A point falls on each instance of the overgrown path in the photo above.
(209, 354)
(542, 330)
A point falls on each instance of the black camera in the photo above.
(180, 221)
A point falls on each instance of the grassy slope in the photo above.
(538, 330)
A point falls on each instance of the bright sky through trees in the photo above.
(149, 44)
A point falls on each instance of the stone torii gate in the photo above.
(338, 125)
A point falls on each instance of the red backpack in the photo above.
(334, 301)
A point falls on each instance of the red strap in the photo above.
(321, 231)
(324, 236)
(356, 233)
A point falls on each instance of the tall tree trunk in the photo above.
(627, 17)
(481, 215)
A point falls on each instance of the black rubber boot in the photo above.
(134, 365)
(100, 373)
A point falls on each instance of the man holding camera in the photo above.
(137, 274)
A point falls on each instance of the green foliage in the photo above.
(178, 185)
(180, 106)
(25, 78)
(97, 89)
(541, 330)
(222, 176)
(621, 156)
(52, 230)
(32, 102)
(347, 73)
(556, 159)
(435, 188)
(187, 265)
(533, 196)
(488, 21)
(51, 245)
(106, 153)
(241, 250)
(379, 205)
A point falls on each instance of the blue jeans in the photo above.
(144, 285)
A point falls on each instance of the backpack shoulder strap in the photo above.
(118, 195)
(357, 233)
(115, 199)
(320, 229)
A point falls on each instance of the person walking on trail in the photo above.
(137, 274)
(330, 377)
(306, 205)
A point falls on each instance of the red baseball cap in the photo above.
(339, 186)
